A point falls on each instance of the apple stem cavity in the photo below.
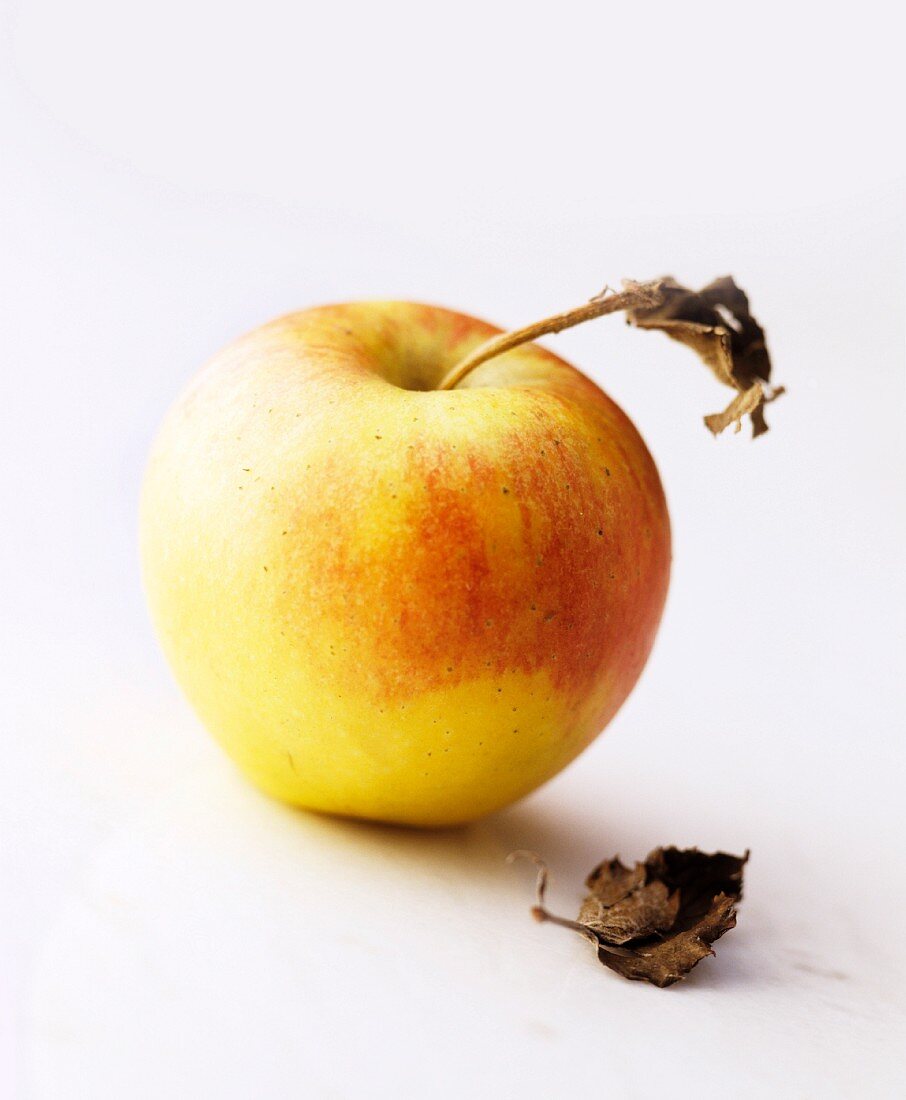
(714, 322)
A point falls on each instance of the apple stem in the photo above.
(633, 296)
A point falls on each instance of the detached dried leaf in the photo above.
(717, 325)
(655, 921)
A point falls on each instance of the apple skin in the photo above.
(389, 601)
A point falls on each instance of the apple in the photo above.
(392, 600)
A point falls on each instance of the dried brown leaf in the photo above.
(717, 324)
(663, 961)
(655, 921)
(610, 881)
(645, 911)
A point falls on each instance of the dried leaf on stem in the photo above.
(655, 921)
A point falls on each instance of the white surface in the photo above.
(175, 175)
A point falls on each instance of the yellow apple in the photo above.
(393, 601)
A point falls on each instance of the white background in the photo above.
(174, 174)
